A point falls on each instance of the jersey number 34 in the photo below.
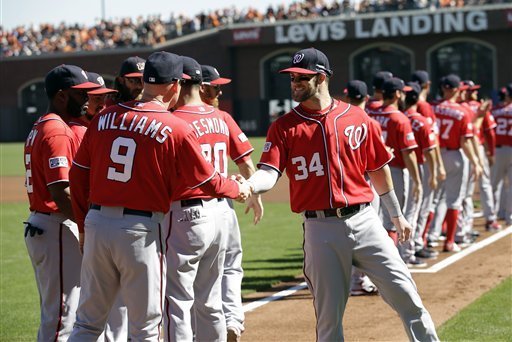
(304, 170)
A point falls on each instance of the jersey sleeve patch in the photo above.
(409, 136)
(56, 162)
(242, 137)
(267, 146)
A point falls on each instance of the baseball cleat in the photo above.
(426, 253)
(492, 226)
(451, 247)
(416, 262)
(233, 334)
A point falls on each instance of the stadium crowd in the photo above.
(128, 32)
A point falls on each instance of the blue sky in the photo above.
(26, 12)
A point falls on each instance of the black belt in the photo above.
(197, 201)
(499, 145)
(127, 211)
(451, 149)
(337, 212)
(40, 212)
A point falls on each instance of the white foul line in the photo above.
(433, 269)
(457, 256)
(285, 293)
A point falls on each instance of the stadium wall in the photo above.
(473, 42)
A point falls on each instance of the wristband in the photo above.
(391, 202)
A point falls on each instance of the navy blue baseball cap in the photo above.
(471, 85)
(420, 76)
(356, 89)
(309, 61)
(380, 77)
(415, 89)
(64, 77)
(96, 78)
(192, 69)
(394, 84)
(163, 67)
(132, 67)
(451, 81)
(212, 76)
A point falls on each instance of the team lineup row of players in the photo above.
(190, 207)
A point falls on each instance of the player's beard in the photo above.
(401, 105)
(74, 108)
(127, 94)
(304, 94)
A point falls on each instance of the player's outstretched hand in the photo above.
(244, 188)
(403, 228)
(256, 205)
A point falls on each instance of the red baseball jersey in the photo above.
(424, 108)
(325, 154)
(79, 127)
(373, 105)
(397, 132)
(219, 136)
(503, 116)
(488, 124)
(454, 122)
(48, 154)
(136, 155)
(423, 133)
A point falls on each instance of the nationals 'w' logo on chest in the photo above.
(356, 135)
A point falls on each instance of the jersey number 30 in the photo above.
(315, 166)
(122, 153)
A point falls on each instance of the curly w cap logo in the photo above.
(298, 58)
(101, 81)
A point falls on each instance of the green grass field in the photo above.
(272, 253)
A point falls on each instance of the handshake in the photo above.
(245, 188)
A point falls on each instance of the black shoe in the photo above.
(426, 254)
(474, 233)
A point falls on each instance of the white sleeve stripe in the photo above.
(409, 148)
(59, 181)
(271, 166)
(380, 167)
(244, 154)
(81, 166)
(205, 181)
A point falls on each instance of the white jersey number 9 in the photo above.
(315, 166)
(122, 153)
(218, 153)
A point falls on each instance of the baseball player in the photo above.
(326, 146)
(417, 211)
(128, 83)
(379, 78)
(502, 168)
(424, 108)
(210, 92)
(51, 236)
(398, 135)
(116, 328)
(356, 94)
(125, 173)
(196, 248)
(455, 135)
(486, 145)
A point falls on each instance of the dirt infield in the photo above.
(12, 189)
(370, 319)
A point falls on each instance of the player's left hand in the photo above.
(256, 205)
(491, 160)
(244, 188)
(403, 228)
(417, 191)
(477, 171)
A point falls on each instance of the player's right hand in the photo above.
(441, 174)
(477, 171)
(403, 228)
(244, 189)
